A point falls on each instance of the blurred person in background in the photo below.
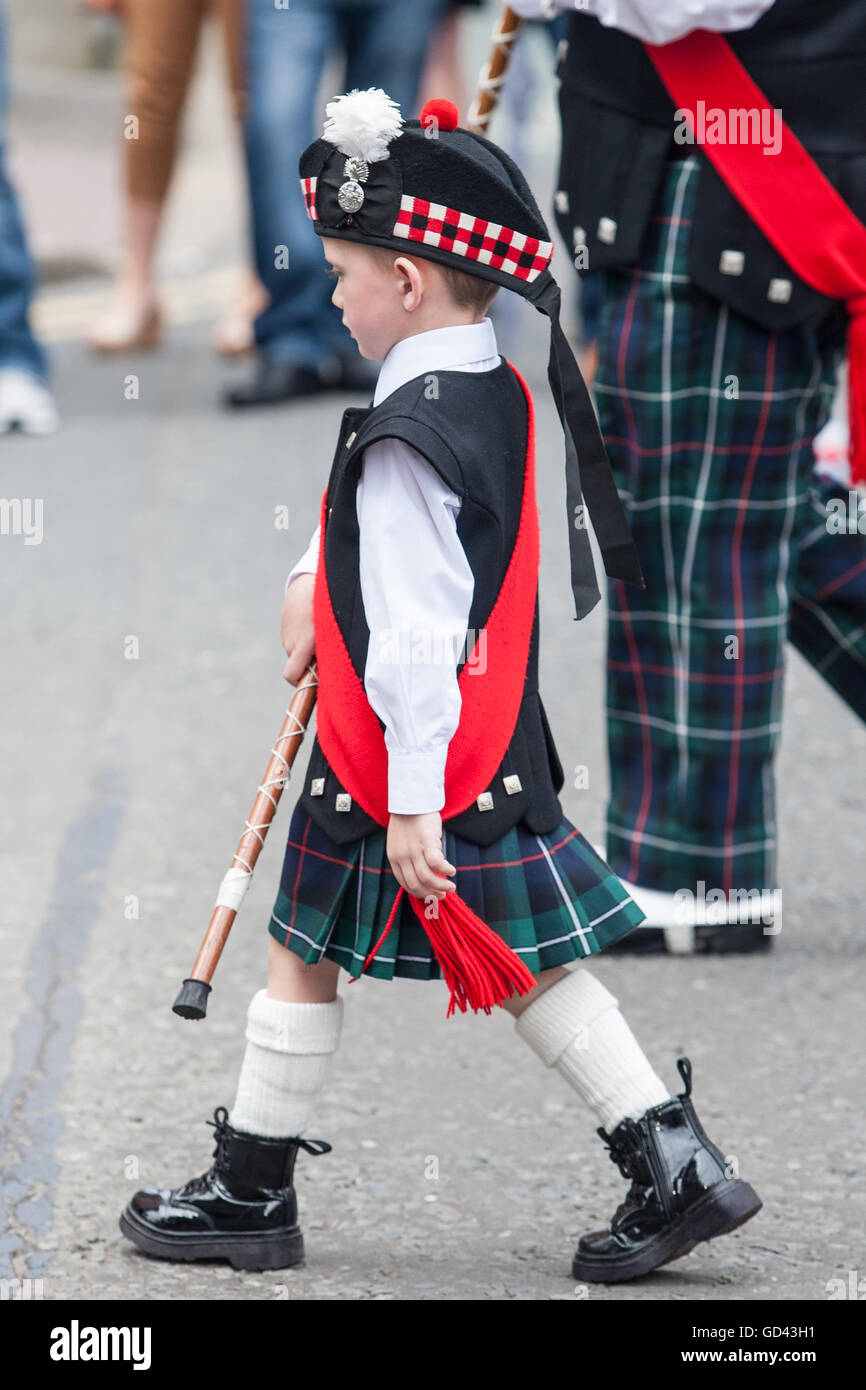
(516, 118)
(443, 70)
(303, 347)
(26, 402)
(161, 41)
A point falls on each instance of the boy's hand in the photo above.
(414, 849)
(296, 627)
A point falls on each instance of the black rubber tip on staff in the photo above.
(192, 1000)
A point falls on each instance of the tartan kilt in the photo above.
(709, 420)
(550, 897)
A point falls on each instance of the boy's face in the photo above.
(368, 293)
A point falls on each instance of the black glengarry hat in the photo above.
(429, 188)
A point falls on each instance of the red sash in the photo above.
(479, 967)
(786, 195)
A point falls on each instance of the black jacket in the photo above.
(473, 430)
(809, 59)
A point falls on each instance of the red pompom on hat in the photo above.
(441, 110)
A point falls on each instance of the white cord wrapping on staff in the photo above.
(237, 880)
(233, 888)
(493, 74)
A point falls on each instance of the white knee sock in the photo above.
(576, 1026)
(289, 1051)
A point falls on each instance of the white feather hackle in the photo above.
(362, 123)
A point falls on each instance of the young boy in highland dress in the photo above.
(429, 839)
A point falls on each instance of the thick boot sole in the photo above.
(245, 1250)
(640, 941)
(740, 939)
(730, 940)
(721, 1210)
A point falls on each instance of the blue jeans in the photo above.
(385, 42)
(18, 347)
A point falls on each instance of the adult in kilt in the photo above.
(429, 838)
(717, 365)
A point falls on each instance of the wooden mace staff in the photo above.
(492, 75)
(191, 1002)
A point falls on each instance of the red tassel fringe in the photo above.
(479, 969)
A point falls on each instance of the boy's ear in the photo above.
(411, 282)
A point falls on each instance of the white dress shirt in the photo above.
(416, 582)
(654, 21)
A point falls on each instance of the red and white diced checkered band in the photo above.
(309, 189)
(434, 224)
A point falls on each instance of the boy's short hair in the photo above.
(469, 291)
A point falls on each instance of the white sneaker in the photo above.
(26, 403)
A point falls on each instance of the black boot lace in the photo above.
(623, 1147)
(220, 1125)
(222, 1131)
(624, 1150)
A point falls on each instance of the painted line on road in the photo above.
(30, 1118)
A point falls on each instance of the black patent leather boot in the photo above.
(242, 1209)
(679, 1193)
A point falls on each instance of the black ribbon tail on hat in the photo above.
(588, 472)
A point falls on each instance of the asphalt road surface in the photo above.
(141, 689)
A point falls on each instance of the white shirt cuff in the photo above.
(416, 780)
(309, 561)
(299, 569)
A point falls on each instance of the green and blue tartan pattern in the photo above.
(709, 421)
(550, 897)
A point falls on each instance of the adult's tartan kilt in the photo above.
(550, 897)
(709, 421)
